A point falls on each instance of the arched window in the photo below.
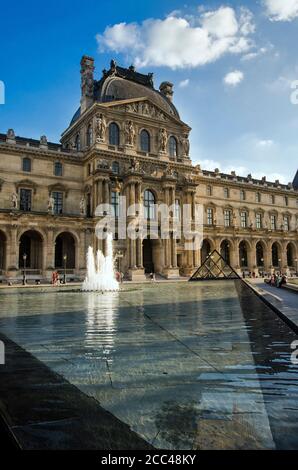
(145, 141)
(149, 205)
(115, 168)
(78, 142)
(172, 146)
(275, 255)
(243, 256)
(114, 134)
(58, 169)
(89, 135)
(26, 164)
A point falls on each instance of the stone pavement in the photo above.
(285, 301)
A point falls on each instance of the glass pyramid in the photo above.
(214, 267)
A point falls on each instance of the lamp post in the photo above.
(279, 264)
(24, 271)
(64, 274)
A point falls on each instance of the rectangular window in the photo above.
(58, 202)
(226, 193)
(242, 195)
(26, 164)
(25, 199)
(286, 223)
(209, 216)
(272, 199)
(115, 203)
(209, 190)
(58, 169)
(286, 200)
(243, 218)
(273, 222)
(258, 197)
(227, 218)
(258, 221)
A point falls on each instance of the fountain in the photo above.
(100, 271)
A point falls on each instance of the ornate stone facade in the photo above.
(128, 139)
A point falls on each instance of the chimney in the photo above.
(87, 82)
(166, 89)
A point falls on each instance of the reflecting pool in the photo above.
(185, 365)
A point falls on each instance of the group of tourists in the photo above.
(55, 278)
(277, 280)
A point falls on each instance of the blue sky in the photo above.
(232, 64)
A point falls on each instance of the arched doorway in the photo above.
(65, 251)
(148, 256)
(243, 254)
(2, 251)
(205, 250)
(290, 255)
(225, 251)
(31, 245)
(275, 255)
(259, 254)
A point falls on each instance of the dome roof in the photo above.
(120, 83)
(116, 88)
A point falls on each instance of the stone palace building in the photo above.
(127, 138)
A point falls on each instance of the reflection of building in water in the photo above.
(102, 310)
(127, 138)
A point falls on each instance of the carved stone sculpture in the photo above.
(163, 138)
(51, 204)
(130, 133)
(185, 144)
(14, 200)
(82, 205)
(100, 128)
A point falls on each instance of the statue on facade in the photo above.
(100, 128)
(14, 200)
(163, 138)
(130, 133)
(185, 144)
(10, 135)
(134, 165)
(43, 140)
(82, 205)
(51, 204)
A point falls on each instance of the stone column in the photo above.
(14, 249)
(174, 250)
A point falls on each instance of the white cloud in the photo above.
(265, 143)
(178, 41)
(233, 78)
(281, 10)
(184, 83)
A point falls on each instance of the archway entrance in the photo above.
(260, 254)
(148, 255)
(290, 255)
(2, 251)
(225, 251)
(65, 248)
(243, 257)
(205, 250)
(31, 246)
